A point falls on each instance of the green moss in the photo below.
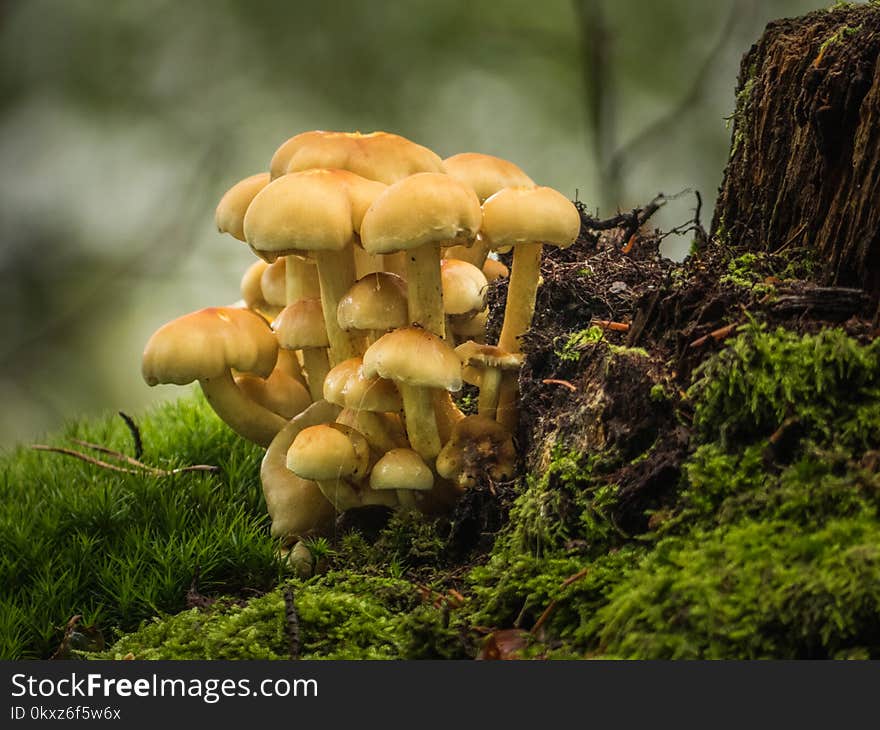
(570, 350)
(758, 589)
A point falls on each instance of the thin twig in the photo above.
(135, 434)
(564, 383)
(550, 606)
(115, 467)
(116, 455)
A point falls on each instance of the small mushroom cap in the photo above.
(231, 210)
(401, 469)
(427, 208)
(329, 452)
(301, 325)
(488, 356)
(414, 356)
(347, 386)
(273, 282)
(280, 393)
(313, 210)
(207, 343)
(485, 174)
(525, 215)
(376, 301)
(464, 288)
(377, 156)
(252, 285)
(478, 446)
(473, 327)
(494, 269)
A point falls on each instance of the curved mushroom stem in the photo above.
(489, 392)
(447, 414)
(421, 422)
(316, 367)
(296, 506)
(242, 415)
(521, 293)
(336, 274)
(301, 279)
(289, 365)
(424, 285)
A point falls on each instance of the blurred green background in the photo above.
(122, 123)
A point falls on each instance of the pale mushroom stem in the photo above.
(289, 365)
(375, 431)
(395, 263)
(507, 413)
(425, 289)
(241, 414)
(336, 274)
(316, 366)
(421, 422)
(366, 263)
(447, 414)
(490, 384)
(301, 280)
(521, 293)
(339, 493)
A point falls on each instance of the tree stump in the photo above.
(804, 168)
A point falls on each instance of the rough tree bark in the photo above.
(804, 168)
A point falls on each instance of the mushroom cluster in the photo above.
(365, 309)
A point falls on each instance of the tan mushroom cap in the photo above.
(377, 156)
(401, 469)
(464, 288)
(488, 356)
(252, 286)
(485, 174)
(414, 356)
(473, 327)
(375, 302)
(494, 269)
(421, 209)
(313, 210)
(347, 386)
(530, 215)
(231, 210)
(206, 344)
(478, 446)
(301, 325)
(273, 282)
(329, 452)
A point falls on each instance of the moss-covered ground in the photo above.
(771, 547)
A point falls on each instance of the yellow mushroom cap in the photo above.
(526, 215)
(347, 386)
(301, 325)
(414, 356)
(401, 469)
(273, 282)
(328, 452)
(494, 269)
(485, 174)
(427, 208)
(472, 327)
(207, 343)
(478, 445)
(376, 301)
(313, 210)
(464, 288)
(377, 156)
(488, 356)
(252, 286)
(231, 210)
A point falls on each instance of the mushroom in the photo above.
(478, 446)
(273, 282)
(280, 392)
(320, 212)
(493, 363)
(230, 212)
(464, 290)
(418, 215)
(485, 175)
(473, 328)
(296, 506)
(300, 326)
(493, 269)
(366, 402)
(333, 456)
(252, 291)
(417, 361)
(525, 218)
(404, 471)
(375, 304)
(376, 156)
(205, 346)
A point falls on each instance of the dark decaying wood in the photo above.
(804, 168)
